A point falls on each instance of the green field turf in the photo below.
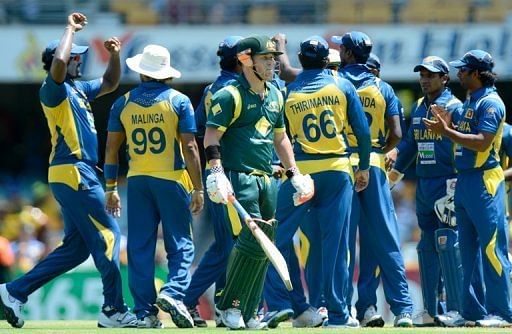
(89, 327)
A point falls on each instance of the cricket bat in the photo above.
(273, 254)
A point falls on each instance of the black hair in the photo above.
(310, 63)
(228, 64)
(361, 59)
(487, 78)
(47, 59)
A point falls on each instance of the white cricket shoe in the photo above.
(351, 323)
(453, 319)
(255, 324)
(150, 321)
(403, 320)
(371, 318)
(176, 309)
(323, 312)
(12, 308)
(308, 318)
(117, 320)
(218, 318)
(273, 318)
(232, 318)
(423, 319)
(494, 321)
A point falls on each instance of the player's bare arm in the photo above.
(58, 70)
(395, 133)
(112, 74)
(112, 199)
(191, 155)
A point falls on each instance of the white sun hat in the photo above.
(154, 62)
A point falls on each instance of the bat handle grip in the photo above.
(245, 216)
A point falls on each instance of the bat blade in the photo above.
(270, 249)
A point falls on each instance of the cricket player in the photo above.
(373, 208)
(438, 253)
(245, 123)
(88, 230)
(225, 220)
(319, 109)
(164, 168)
(480, 191)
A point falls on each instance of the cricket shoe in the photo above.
(351, 323)
(196, 317)
(371, 318)
(232, 318)
(12, 308)
(218, 318)
(423, 319)
(493, 321)
(111, 318)
(453, 319)
(150, 321)
(176, 309)
(308, 318)
(323, 312)
(403, 320)
(273, 318)
(255, 324)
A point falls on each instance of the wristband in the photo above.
(212, 152)
(111, 187)
(291, 172)
(110, 171)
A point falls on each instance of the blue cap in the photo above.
(433, 64)
(75, 49)
(227, 48)
(356, 41)
(373, 61)
(475, 59)
(314, 47)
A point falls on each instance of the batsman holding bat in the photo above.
(245, 122)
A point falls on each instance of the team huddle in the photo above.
(312, 150)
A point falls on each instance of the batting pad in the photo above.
(447, 246)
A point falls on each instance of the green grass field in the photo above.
(89, 327)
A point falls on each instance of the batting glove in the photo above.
(445, 210)
(218, 186)
(305, 188)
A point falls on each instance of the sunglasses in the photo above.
(465, 69)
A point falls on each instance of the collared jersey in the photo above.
(153, 115)
(70, 120)
(379, 102)
(483, 111)
(248, 123)
(206, 100)
(319, 109)
(433, 153)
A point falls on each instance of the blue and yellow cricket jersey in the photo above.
(433, 153)
(319, 109)
(201, 113)
(483, 111)
(153, 115)
(70, 120)
(379, 102)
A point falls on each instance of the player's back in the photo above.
(316, 111)
(151, 117)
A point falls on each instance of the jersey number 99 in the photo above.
(154, 139)
(314, 127)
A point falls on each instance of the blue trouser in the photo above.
(313, 262)
(380, 245)
(352, 236)
(88, 230)
(212, 268)
(330, 208)
(151, 200)
(480, 213)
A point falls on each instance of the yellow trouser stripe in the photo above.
(491, 254)
(108, 236)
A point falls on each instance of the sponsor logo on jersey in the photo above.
(469, 114)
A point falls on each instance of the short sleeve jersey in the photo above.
(483, 111)
(433, 153)
(379, 102)
(249, 123)
(70, 119)
(153, 115)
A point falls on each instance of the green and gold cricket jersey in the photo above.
(249, 123)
